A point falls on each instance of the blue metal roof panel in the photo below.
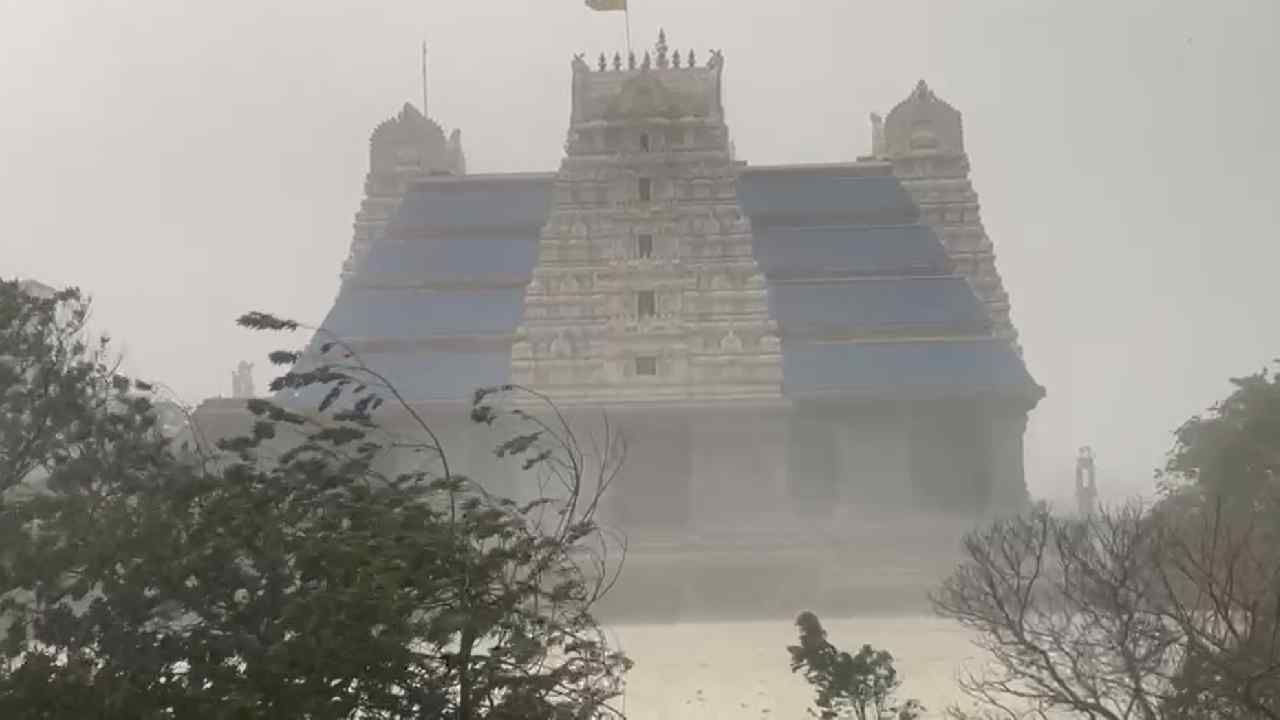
(417, 314)
(821, 194)
(865, 249)
(441, 375)
(890, 368)
(470, 203)
(942, 302)
(454, 257)
(418, 377)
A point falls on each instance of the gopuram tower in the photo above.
(646, 297)
(646, 288)
(923, 139)
(402, 150)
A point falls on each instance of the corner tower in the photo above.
(645, 288)
(403, 149)
(923, 138)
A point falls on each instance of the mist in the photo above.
(186, 162)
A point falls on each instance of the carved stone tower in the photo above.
(646, 288)
(404, 148)
(923, 137)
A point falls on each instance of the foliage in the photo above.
(863, 684)
(1169, 611)
(287, 575)
(1233, 451)
(1130, 614)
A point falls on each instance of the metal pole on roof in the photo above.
(424, 79)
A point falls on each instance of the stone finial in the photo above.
(617, 61)
(580, 65)
(645, 64)
(877, 135)
(631, 60)
(693, 59)
(717, 60)
(923, 124)
(604, 63)
(242, 381)
(661, 48)
(675, 59)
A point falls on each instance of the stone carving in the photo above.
(877, 135)
(731, 342)
(923, 139)
(402, 150)
(584, 345)
(242, 381)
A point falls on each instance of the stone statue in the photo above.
(242, 381)
(877, 136)
(731, 342)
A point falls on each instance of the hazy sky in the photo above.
(187, 161)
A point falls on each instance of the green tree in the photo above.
(1233, 451)
(863, 684)
(1167, 611)
(283, 575)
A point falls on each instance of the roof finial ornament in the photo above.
(693, 59)
(675, 59)
(603, 63)
(661, 48)
(645, 64)
(922, 90)
(617, 61)
(631, 60)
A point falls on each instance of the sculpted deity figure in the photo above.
(731, 342)
(242, 381)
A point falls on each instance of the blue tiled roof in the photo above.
(418, 377)
(441, 375)
(473, 202)
(434, 259)
(416, 314)
(821, 194)
(883, 369)
(849, 249)
(941, 303)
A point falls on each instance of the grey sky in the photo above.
(185, 162)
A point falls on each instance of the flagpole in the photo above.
(626, 11)
(424, 79)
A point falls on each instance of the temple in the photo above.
(793, 353)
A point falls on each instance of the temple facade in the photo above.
(777, 344)
(799, 358)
